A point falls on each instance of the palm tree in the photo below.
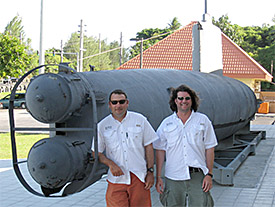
(15, 28)
(174, 25)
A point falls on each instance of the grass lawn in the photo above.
(24, 142)
(3, 94)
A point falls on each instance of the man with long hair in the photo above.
(187, 139)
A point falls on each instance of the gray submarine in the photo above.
(72, 103)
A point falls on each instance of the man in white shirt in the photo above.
(127, 139)
(187, 138)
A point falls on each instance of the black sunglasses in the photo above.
(187, 98)
(120, 102)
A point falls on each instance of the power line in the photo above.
(101, 53)
(153, 37)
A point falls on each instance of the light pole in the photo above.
(41, 49)
(141, 48)
(81, 47)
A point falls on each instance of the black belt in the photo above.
(194, 169)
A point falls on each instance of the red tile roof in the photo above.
(238, 64)
(175, 52)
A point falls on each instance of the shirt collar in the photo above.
(175, 116)
(125, 118)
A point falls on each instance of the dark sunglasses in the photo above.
(120, 102)
(187, 98)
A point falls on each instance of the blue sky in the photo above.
(111, 17)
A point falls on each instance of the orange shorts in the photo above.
(133, 195)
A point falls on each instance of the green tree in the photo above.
(15, 28)
(258, 42)
(14, 59)
(266, 57)
(175, 24)
(152, 36)
(234, 32)
(257, 37)
(53, 56)
(115, 55)
(72, 46)
(102, 59)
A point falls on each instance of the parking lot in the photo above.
(7, 87)
(22, 119)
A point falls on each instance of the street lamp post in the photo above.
(141, 49)
(41, 49)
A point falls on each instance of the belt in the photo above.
(194, 169)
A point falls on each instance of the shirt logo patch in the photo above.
(138, 125)
(169, 123)
(108, 127)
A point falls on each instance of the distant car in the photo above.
(10, 80)
(5, 81)
(19, 101)
(14, 80)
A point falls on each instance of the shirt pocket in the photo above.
(172, 134)
(135, 137)
(196, 135)
(111, 140)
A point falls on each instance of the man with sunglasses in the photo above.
(127, 139)
(187, 139)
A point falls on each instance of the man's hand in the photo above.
(115, 169)
(159, 185)
(207, 183)
(149, 180)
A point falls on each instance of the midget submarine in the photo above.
(72, 103)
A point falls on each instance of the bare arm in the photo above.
(114, 168)
(207, 181)
(210, 159)
(160, 154)
(149, 154)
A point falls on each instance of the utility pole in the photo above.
(62, 52)
(141, 49)
(81, 47)
(141, 53)
(41, 49)
(99, 50)
(121, 50)
(99, 43)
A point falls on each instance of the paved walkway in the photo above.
(242, 194)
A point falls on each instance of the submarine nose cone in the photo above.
(49, 163)
(48, 98)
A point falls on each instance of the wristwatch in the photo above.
(150, 170)
(210, 175)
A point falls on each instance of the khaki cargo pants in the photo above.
(181, 193)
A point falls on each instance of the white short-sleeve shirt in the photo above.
(185, 144)
(124, 143)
